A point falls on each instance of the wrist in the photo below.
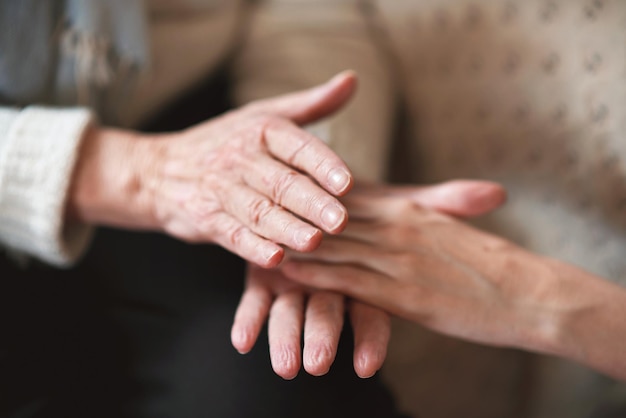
(583, 318)
(108, 184)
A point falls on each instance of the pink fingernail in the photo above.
(339, 180)
(272, 255)
(304, 236)
(332, 217)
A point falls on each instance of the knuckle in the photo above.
(203, 210)
(405, 208)
(235, 235)
(207, 227)
(404, 259)
(320, 165)
(282, 184)
(260, 209)
(301, 150)
(328, 304)
(405, 264)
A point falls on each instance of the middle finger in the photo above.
(268, 219)
(322, 328)
(284, 330)
(297, 193)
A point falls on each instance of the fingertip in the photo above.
(317, 360)
(316, 370)
(273, 255)
(307, 240)
(241, 339)
(340, 181)
(498, 193)
(334, 218)
(486, 197)
(347, 77)
(287, 374)
(464, 198)
(285, 363)
(367, 364)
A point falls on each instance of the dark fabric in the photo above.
(140, 328)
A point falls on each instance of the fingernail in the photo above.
(304, 236)
(339, 180)
(332, 216)
(272, 254)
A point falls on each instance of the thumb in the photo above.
(463, 198)
(309, 105)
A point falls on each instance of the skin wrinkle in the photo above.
(296, 153)
(259, 209)
(282, 184)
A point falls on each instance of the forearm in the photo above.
(591, 326)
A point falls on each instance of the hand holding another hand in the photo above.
(434, 270)
(427, 267)
(293, 309)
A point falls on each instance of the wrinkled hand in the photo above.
(250, 180)
(292, 307)
(243, 180)
(429, 268)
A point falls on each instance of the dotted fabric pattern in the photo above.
(530, 93)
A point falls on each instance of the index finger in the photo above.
(309, 154)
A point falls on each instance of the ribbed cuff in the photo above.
(37, 157)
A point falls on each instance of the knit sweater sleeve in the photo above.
(295, 44)
(38, 150)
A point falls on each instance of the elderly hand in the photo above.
(292, 307)
(242, 180)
